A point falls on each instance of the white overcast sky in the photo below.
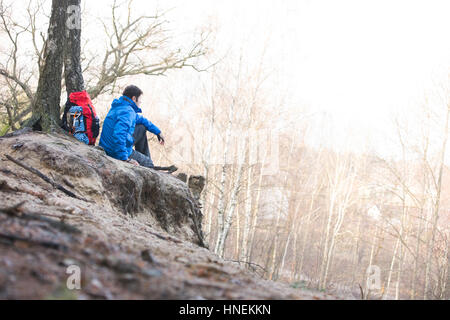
(358, 61)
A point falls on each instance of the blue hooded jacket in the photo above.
(118, 128)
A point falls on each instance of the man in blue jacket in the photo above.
(124, 128)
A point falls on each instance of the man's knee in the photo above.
(142, 159)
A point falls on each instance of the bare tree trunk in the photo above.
(210, 204)
(238, 231)
(222, 204)
(372, 253)
(222, 221)
(327, 236)
(399, 272)
(445, 274)
(231, 209)
(423, 202)
(417, 255)
(337, 227)
(391, 269)
(271, 265)
(72, 49)
(296, 225)
(283, 259)
(294, 263)
(356, 250)
(403, 234)
(341, 184)
(47, 99)
(255, 210)
(436, 206)
(299, 269)
(247, 216)
(315, 191)
(207, 168)
(292, 227)
(277, 224)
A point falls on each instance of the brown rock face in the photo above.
(132, 233)
(152, 196)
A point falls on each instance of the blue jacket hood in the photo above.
(123, 100)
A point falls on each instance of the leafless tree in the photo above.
(135, 45)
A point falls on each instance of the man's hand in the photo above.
(132, 161)
(161, 139)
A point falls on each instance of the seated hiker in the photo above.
(124, 127)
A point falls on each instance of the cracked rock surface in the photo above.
(133, 236)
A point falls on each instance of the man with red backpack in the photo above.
(124, 127)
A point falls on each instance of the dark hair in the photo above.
(132, 91)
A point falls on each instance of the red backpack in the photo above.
(90, 119)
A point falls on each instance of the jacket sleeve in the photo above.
(120, 134)
(150, 126)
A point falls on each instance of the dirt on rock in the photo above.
(132, 232)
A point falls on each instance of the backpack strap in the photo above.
(84, 121)
(69, 104)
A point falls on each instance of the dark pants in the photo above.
(141, 152)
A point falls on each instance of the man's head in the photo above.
(134, 93)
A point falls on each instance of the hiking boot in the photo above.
(170, 169)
